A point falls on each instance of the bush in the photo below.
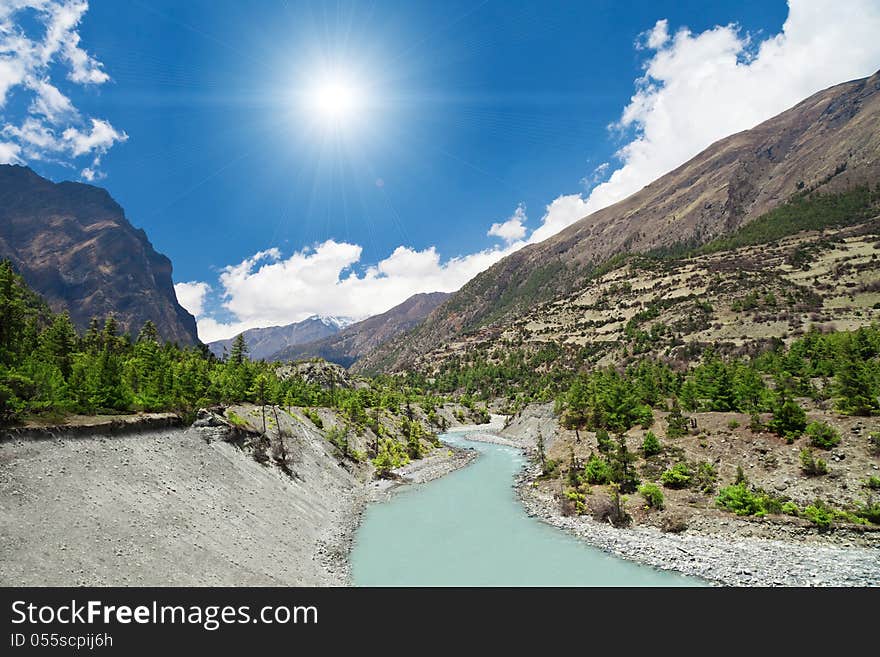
(733, 424)
(789, 419)
(652, 494)
(755, 424)
(604, 441)
(651, 444)
(314, 417)
(873, 482)
(822, 435)
(678, 476)
(597, 470)
(812, 466)
(390, 454)
(676, 423)
(790, 509)
(743, 501)
(705, 477)
(576, 499)
(870, 511)
(820, 514)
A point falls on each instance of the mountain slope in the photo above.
(264, 342)
(347, 346)
(73, 245)
(828, 142)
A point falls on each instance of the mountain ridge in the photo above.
(352, 342)
(75, 247)
(264, 341)
(829, 142)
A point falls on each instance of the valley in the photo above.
(691, 377)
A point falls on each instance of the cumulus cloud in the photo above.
(51, 127)
(268, 289)
(513, 229)
(700, 87)
(192, 296)
(696, 88)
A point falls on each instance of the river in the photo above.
(470, 529)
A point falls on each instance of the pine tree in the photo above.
(676, 423)
(58, 342)
(239, 352)
(148, 332)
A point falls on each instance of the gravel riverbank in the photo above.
(719, 554)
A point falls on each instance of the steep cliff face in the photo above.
(829, 142)
(73, 245)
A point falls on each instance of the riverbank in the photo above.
(146, 503)
(724, 549)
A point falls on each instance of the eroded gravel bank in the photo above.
(712, 549)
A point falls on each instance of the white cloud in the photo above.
(513, 229)
(266, 289)
(51, 128)
(699, 88)
(192, 296)
(97, 140)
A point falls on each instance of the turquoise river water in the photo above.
(469, 529)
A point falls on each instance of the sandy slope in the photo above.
(166, 508)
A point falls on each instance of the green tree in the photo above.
(789, 419)
(239, 353)
(651, 445)
(676, 423)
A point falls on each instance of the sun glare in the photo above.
(334, 102)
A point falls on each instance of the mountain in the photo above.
(347, 346)
(264, 342)
(828, 143)
(73, 245)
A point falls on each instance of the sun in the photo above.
(334, 101)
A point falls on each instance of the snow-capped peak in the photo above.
(331, 320)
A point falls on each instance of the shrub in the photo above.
(678, 476)
(676, 423)
(652, 494)
(873, 482)
(812, 466)
(390, 454)
(790, 509)
(338, 437)
(651, 444)
(597, 470)
(755, 424)
(314, 417)
(705, 477)
(733, 424)
(820, 514)
(235, 419)
(822, 435)
(744, 501)
(789, 420)
(577, 499)
(870, 511)
(604, 441)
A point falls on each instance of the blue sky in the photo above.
(471, 110)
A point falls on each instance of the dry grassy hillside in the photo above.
(829, 142)
(728, 299)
